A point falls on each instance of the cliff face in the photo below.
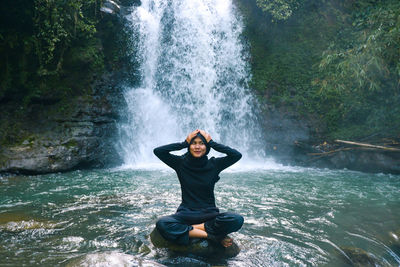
(303, 74)
(73, 133)
(62, 117)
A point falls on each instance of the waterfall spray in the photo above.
(194, 74)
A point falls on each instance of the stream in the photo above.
(293, 217)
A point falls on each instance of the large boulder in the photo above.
(198, 247)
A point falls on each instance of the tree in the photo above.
(279, 9)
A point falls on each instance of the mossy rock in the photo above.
(16, 222)
(359, 257)
(198, 247)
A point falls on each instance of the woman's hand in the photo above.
(191, 135)
(206, 135)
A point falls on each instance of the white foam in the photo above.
(194, 74)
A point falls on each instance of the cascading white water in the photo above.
(194, 75)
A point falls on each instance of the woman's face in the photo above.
(197, 148)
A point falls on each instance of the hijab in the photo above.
(193, 163)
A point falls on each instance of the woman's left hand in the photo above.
(206, 135)
(191, 135)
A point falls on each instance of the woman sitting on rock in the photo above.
(197, 216)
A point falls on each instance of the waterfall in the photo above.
(194, 74)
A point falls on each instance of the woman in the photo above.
(197, 216)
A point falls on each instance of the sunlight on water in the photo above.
(241, 166)
(293, 217)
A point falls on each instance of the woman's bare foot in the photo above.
(226, 242)
(199, 226)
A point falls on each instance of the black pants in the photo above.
(176, 227)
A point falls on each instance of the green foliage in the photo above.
(49, 49)
(279, 9)
(57, 24)
(284, 54)
(338, 60)
(362, 71)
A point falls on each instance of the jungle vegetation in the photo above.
(52, 49)
(339, 60)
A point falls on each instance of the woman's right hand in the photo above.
(191, 135)
(206, 135)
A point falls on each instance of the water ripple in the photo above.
(291, 218)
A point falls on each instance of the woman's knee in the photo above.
(230, 222)
(241, 219)
(238, 221)
(159, 224)
(173, 230)
(231, 217)
(163, 222)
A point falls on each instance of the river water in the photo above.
(293, 217)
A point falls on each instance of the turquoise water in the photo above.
(293, 217)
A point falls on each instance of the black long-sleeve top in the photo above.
(197, 176)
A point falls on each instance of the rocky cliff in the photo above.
(61, 118)
(65, 135)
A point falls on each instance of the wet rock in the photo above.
(143, 249)
(358, 159)
(367, 161)
(14, 222)
(199, 247)
(291, 138)
(111, 259)
(134, 245)
(394, 241)
(62, 136)
(281, 128)
(359, 257)
(395, 237)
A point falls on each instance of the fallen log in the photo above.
(329, 152)
(368, 145)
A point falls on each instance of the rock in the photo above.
(365, 160)
(359, 257)
(111, 259)
(395, 237)
(63, 136)
(16, 222)
(199, 247)
(394, 241)
(26, 142)
(282, 128)
(143, 249)
(291, 137)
